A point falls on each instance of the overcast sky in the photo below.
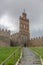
(10, 10)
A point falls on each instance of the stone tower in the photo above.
(24, 29)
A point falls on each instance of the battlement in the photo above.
(37, 38)
(5, 32)
(38, 41)
(4, 37)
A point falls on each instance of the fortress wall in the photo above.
(4, 37)
(3, 43)
(15, 38)
(4, 33)
(37, 41)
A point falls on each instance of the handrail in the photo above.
(9, 57)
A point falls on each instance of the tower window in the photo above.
(24, 26)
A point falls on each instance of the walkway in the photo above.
(29, 58)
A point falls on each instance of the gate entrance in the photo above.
(24, 44)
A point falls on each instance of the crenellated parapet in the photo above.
(4, 37)
(5, 32)
(38, 41)
(37, 38)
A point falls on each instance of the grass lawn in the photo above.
(5, 52)
(39, 50)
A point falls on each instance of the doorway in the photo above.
(24, 44)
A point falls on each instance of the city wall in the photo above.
(38, 41)
(4, 37)
(7, 40)
(15, 38)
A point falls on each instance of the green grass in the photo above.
(14, 58)
(5, 52)
(38, 50)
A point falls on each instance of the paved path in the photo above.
(29, 58)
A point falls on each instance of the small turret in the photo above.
(24, 14)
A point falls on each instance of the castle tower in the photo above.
(24, 29)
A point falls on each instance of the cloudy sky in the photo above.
(10, 10)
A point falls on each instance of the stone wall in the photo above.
(15, 39)
(37, 41)
(4, 37)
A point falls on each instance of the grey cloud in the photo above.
(14, 8)
(37, 33)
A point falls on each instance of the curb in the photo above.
(38, 55)
(8, 58)
(17, 63)
(41, 60)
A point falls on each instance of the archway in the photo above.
(24, 44)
